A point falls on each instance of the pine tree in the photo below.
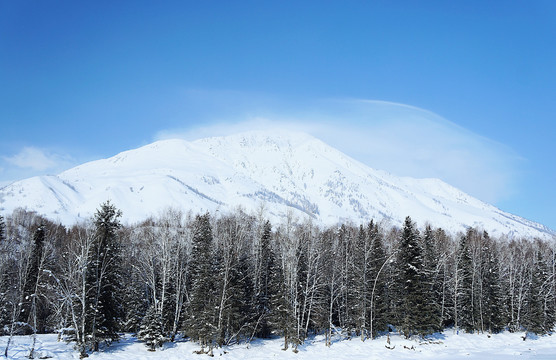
(263, 284)
(494, 309)
(431, 316)
(463, 295)
(168, 313)
(300, 295)
(410, 260)
(151, 329)
(200, 325)
(136, 304)
(350, 301)
(535, 318)
(30, 303)
(378, 314)
(104, 278)
(360, 281)
(238, 313)
(280, 317)
(2, 230)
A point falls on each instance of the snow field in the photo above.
(441, 346)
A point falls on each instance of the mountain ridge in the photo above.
(286, 172)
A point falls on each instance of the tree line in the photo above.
(231, 278)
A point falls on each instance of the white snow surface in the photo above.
(281, 172)
(442, 346)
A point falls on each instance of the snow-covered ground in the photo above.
(442, 346)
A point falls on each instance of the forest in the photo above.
(220, 279)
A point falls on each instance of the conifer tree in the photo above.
(280, 318)
(104, 278)
(238, 313)
(536, 316)
(410, 260)
(360, 293)
(167, 313)
(151, 329)
(135, 298)
(431, 316)
(378, 314)
(300, 295)
(464, 300)
(263, 283)
(350, 297)
(2, 230)
(29, 295)
(494, 309)
(200, 325)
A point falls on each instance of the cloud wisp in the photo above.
(34, 159)
(401, 139)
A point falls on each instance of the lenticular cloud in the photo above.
(401, 139)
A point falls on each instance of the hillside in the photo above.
(280, 172)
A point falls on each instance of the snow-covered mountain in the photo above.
(279, 172)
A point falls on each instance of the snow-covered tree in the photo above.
(103, 310)
(2, 230)
(432, 308)
(151, 331)
(263, 290)
(410, 262)
(537, 318)
(200, 325)
(493, 304)
(378, 307)
(464, 286)
(281, 317)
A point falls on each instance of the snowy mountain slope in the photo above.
(282, 172)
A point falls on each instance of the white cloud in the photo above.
(34, 158)
(398, 138)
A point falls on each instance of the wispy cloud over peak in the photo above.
(402, 139)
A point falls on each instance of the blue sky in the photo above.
(461, 90)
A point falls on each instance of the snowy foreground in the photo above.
(442, 346)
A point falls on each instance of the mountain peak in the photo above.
(284, 172)
(277, 138)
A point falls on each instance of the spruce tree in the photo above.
(431, 316)
(239, 313)
(2, 230)
(30, 296)
(104, 278)
(351, 304)
(136, 304)
(360, 280)
(463, 295)
(378, 314)
(301, 295)
(494, 309)
(263, 283)
(410, 260)
(168, 313)
(151, 329)
(200, 325)
(536, 315)
(280, 317)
